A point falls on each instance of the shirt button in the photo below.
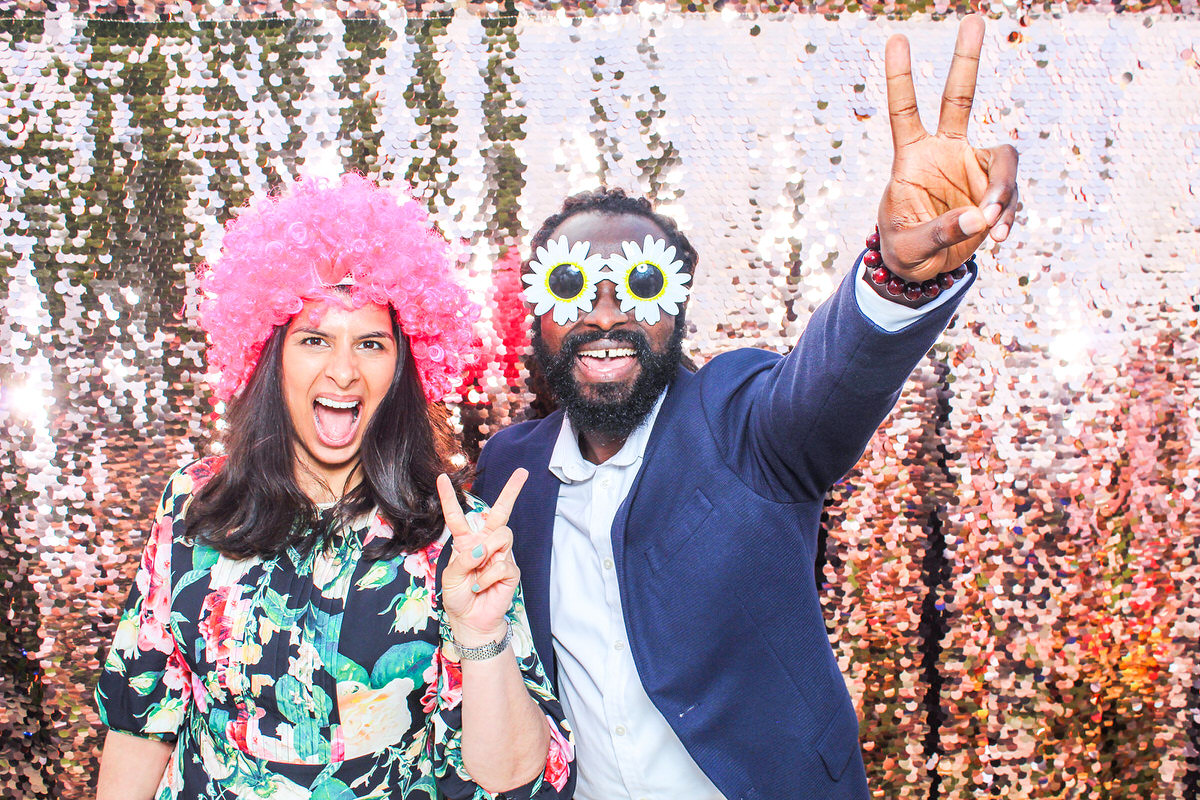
(618, 646)
(619, 730)
(605, 483)
(608, 563)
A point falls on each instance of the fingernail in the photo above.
(971, 222)
(992, 213)
(477, 552)
(1000, 233)
(475, 588)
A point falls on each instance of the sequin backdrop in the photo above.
(1011, 573)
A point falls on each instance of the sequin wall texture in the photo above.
(1011, 574)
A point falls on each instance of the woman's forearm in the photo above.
(131, 767)
(505, 735)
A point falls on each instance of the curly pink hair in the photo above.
(285, 249)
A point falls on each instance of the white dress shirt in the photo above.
(624, 746)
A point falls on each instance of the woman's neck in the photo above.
(325, 487)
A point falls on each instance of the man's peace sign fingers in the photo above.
(959, 93)
(1001, 198)
(901, 96)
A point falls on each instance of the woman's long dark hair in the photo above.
(253, 505)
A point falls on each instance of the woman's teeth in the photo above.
(325, 401)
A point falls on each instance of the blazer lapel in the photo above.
(533, 533)
(674, 393)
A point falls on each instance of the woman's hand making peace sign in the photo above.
(479, 582)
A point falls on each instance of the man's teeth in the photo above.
(325, 401)
(612, 352)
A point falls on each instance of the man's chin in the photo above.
(613, 409)
(607, 393)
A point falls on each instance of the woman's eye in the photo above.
(565, 281)
(312, 341)
(646, 281)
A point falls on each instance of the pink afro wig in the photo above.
(283, 250)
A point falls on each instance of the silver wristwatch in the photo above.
(484, 651)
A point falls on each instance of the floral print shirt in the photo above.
(302, 676)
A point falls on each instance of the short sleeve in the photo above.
(558, 776)
(145, 684)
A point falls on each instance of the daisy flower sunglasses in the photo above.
(649, 279)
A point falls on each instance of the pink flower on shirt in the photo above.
(379, 528)
(154, 583)
(443, 679)
(559, 757)
(243, 731)
(216, 626)
(178, 676)
(423, 564)
(201, 471)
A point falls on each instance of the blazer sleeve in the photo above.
(812, 414)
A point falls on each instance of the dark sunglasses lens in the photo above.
(645, 281)
(565, 281)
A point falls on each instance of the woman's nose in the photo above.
(342, 366)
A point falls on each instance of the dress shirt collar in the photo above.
(568, 464)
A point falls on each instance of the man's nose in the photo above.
(606, 312)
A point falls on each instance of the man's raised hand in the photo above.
(944, 196)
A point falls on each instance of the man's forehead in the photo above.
(604, 229)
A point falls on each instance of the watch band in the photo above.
(484, 651)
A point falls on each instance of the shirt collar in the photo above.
(568, 464)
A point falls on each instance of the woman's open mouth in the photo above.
(336, 420)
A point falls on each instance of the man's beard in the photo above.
(612, 409)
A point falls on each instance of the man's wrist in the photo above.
(898, 299)
(902, 291)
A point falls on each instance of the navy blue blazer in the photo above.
(716, 542)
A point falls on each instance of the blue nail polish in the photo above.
(477, 552)
(475, 588)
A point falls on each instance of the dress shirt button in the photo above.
(608, 563)
(619, 730)
(605, 483)
(618, 646)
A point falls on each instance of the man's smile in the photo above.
(606, 362)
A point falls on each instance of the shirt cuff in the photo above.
(890, 316)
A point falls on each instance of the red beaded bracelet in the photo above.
(895, 285)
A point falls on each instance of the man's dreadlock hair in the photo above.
(615, 201)
(605, 201)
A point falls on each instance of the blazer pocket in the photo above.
(678, 530)
(838, 742)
